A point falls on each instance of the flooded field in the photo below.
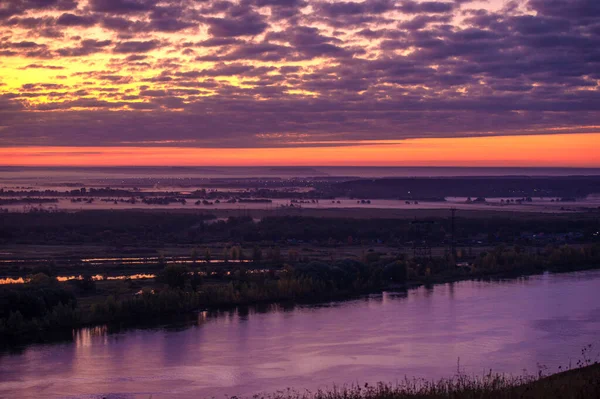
(496, 204)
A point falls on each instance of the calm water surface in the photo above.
(508, 326)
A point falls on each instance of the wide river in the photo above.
(509, 326)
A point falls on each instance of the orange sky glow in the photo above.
(560, 150)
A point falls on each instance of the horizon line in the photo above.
(298, 166)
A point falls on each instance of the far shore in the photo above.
(357, 212)
(368, 213)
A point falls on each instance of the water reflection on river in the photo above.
(95, 277)
(508, 326)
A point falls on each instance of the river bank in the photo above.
(44, 309)
(580, 383)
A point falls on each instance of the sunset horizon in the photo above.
(558, 150)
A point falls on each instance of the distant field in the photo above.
(286, 206)
(391, 213)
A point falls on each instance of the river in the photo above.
(510, 326)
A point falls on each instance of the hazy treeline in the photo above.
(406, 188)
(440, 187)
(136, 228)
(99, 227)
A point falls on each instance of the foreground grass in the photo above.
(581, 383)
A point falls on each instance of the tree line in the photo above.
(135, 228)
(43, 304)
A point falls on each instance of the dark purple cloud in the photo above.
(122, 6)
(135, 57)
(10, 8)
(85, 47)
(42, 66)
(576, 9)
(68, 19)
(221, 70)
(136, 46)
(219, 42)
(240, 20)
(224, 27)
(25, 48)
(298, 43)
(169, 19)
(263, 51)
(417, 7)
(422, 21)
(339, 8)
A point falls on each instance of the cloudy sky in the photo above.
(300, 81)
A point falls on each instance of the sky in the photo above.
(300, 82)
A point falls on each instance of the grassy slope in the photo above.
(580, 383)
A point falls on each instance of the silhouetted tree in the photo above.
(174, 276)
(195, 281)
(256, 254)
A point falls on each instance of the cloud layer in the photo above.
(254, 73)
